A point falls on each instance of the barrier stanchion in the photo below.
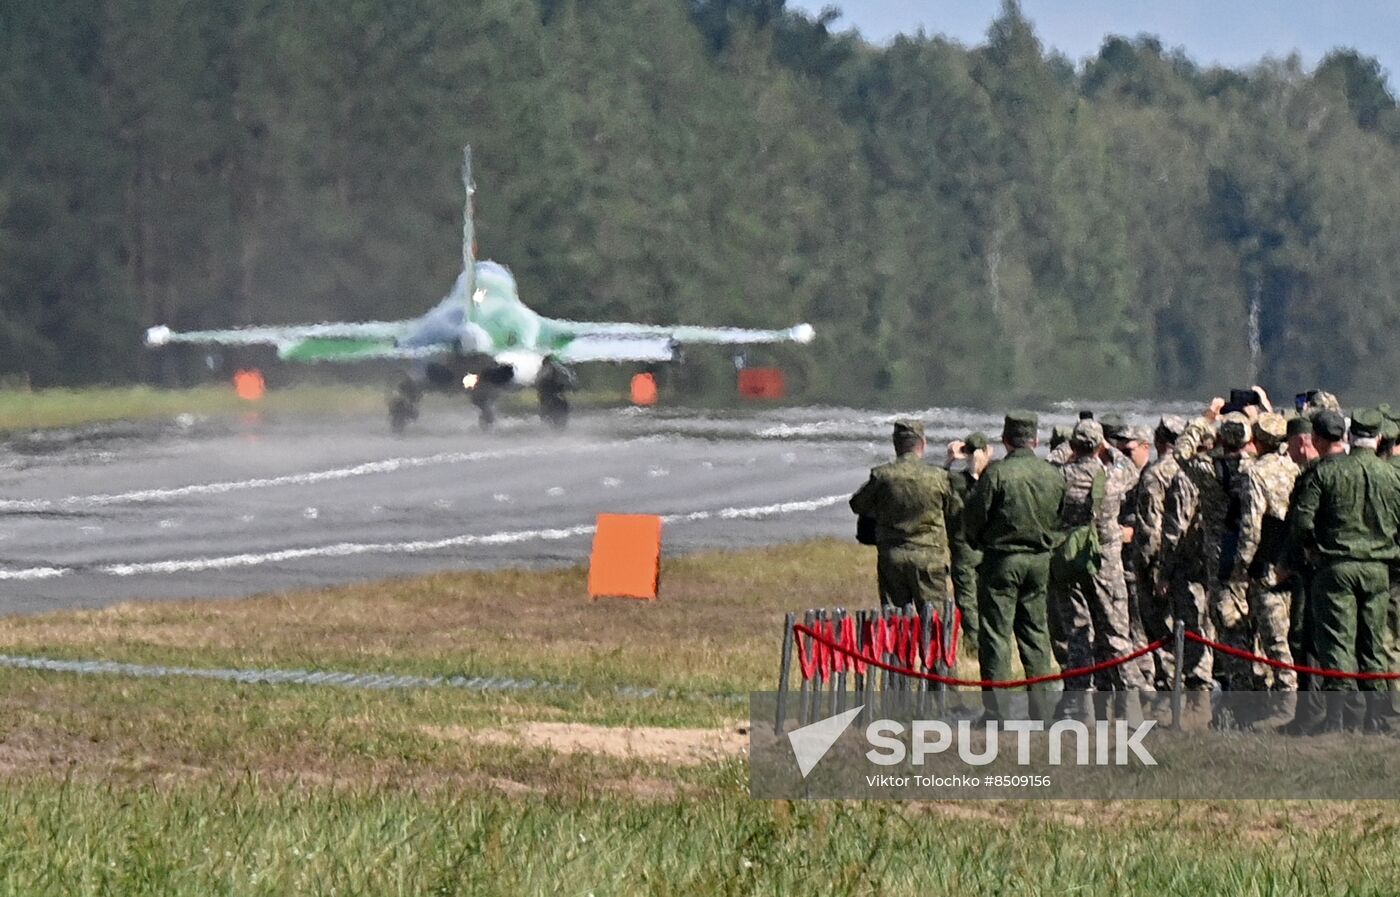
(789, 621)
(838, 680)
(808, 682)
(1178, 677)
(925, 640)
(867, 634)
(947, 659)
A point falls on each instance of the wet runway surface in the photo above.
(234, 508)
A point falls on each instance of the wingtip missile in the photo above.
(157, 336)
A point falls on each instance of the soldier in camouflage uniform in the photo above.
(1150, 499)
(1268, 483)
(1136, 444)
(915, 508)
(1093, 610)
(1218, 477)
(1347, 511)
(1011, 518)
(977, 454)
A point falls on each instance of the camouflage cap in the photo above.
(1088, 434)
(1137, 434)
(975, 441)
(1322, 401)
(1390, 429)
(1270, 429)
(904, 428)
(1299, 426)
(1113, 426)
(1170, 427)
(1233, 432)
(1329, 425)
(1020, 425)
(1366, 423)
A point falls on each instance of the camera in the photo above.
(1240, 399)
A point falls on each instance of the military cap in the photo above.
(1059, 436)
(975, 441)
(1233, 432)
(1137, 434)
(1329, 425)
(1170, 427)
(1385, 410)
(908, 428)
(1088, 434)
(1113, 426)
(1366, 423)
(1020, 425)
(1323, 401)
(1299, 426)
(1270, 429)
(1390, 429)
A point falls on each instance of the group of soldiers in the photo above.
(1270, 534)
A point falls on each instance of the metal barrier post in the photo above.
(807, 684)
(788, 622)
(839, 675)
(1178, 677)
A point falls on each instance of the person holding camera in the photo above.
(975, 454)
(914, 508)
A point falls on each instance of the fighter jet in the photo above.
(481, 339)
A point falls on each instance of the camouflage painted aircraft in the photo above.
(480, 338)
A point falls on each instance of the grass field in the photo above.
(22, 410)
(180, 786)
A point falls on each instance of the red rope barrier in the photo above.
(820, 639)
(1280, 665)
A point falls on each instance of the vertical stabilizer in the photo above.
(469, 223)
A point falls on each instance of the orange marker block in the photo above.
(626, 559)
(249, 385)
(643, 389)
(762, 383)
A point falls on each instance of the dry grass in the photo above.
(716, 627)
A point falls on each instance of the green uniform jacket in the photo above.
(1016, 505)
(1347, 507)
(913, 504)
(963, 554)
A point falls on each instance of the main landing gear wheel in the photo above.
(403, 405)
(552, 388)
(484, 399)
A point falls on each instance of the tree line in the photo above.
(960, 224)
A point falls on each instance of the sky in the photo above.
(1227, 32)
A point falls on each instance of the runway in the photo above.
(201, 509)
(238, 508)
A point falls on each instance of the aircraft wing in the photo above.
(613, 348)
(731, 336)
(310, 342)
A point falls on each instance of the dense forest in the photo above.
(959, 223)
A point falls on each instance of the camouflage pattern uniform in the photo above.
(1267, 486)
(915, 508)
(1151, 508)
(1093, 612)
(1218, 478)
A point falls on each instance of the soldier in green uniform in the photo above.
(976, 454)
(915, 508)
(1012, 517)
(1347, 511)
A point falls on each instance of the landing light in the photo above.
(469, 381)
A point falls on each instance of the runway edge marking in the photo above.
(309, 478)
(350, 549)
